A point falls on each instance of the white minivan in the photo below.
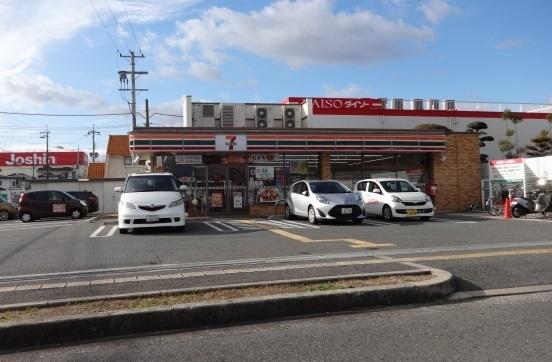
(394, 198)
(151, 200)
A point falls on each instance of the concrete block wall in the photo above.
(456, 173)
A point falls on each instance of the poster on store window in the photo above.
(264, 172)
(216, 199)
(268, 194)
(238, 200)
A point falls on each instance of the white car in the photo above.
(393, 198)
(323, 200)
(151, 200)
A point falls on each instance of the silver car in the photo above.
(323, 200)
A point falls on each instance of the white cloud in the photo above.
(298, 33)
(436, 10)
(29, 89)
(29, 28)
(509, 43)
(351, 90)
(204, 71)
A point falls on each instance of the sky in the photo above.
(62, 57)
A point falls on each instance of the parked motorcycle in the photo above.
(538, 202)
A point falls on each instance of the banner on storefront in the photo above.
(231, 142)
(264, 172)
(345, 105)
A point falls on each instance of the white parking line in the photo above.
(375, 222)
(97, 231)
(301, 224)
(271, 223)
(21, 227)
(112, 231)
(231, 228)
(212, 226)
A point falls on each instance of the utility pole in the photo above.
(147, 113)
(93, 132)
(46, 134)
(124, 82)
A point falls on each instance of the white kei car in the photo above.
(151, 200)
(394, 198)
(323, 200)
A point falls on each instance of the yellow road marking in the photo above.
(354, 242)
(476, 255)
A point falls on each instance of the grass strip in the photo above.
(76, 309)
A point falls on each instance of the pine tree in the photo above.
(479, 127)
(541, 145)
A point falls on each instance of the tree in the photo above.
(506, 147)
(516, 119)
(549, 119)
(541, 145)
(432, 127)
(479, 128)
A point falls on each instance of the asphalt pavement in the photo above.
(513, 328)
(63, 258)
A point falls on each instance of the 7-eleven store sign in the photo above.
(231, 142)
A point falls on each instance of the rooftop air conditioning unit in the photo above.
(397, 103)
(262, 118)
(289, 118)
(418, 104)
(227, 116)
(433, 104)
(450, 104)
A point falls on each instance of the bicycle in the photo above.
(494, 205)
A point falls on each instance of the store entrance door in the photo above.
(227, 189)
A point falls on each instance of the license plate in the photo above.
(152, 218)
(347, 210)
(411, 212)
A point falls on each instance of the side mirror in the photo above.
(377, 191)
(305, 193)
(118, 189)
(183, 188)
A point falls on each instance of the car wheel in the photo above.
(76, 214)
(312, 215)
(123, 231)
(387, 213)
(288, 214)
(426, 218)
(4, 215)
(26, 217)
(358, 221)
(516, 212)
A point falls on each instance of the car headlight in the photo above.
(323, 200)
(396, 199)
(83, 203)
(176, 203)
(129, 205)
(428, 199)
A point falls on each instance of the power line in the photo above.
(104, 27)
(116, 22)
(165, 114)
(131, 27)
(65, 115)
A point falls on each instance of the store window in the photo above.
(413, 167)
(302, 167)
(266, 183)
(346, 168)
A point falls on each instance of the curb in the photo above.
(208, 314)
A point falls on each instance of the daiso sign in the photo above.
(39, 158)
(352, 106)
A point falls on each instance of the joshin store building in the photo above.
(241, 158)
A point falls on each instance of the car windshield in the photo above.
(397, 186)
(150, 183)
(328, 187)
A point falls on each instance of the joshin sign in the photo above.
(231, 142)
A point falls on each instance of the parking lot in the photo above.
(480, 250)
